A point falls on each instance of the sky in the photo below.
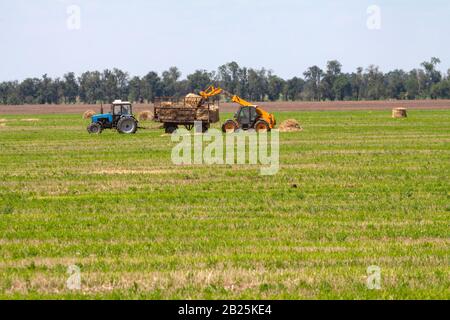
(286, 36)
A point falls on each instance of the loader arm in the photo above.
(215, 91)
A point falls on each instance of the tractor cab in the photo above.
(121, 118)
(121, 108)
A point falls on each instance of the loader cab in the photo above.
(246, 117)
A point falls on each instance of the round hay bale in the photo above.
(145, 115)
(290, 125)
(88, 114)
(399, 113)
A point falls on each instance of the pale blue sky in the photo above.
(286, 36)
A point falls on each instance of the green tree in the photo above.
(29, 90)
(71, 88)
(91, 87)
(396, 84)
(151, 86)
(342, 87)
(134, 89)
(257, 84)
(169, 81)
(293, 89)
(229, 76)
(274, 87)
(122, 79)
(334, 68)
(109, 85)
(199, 80)
(432, 76)
(313, 78)
(375, 86)
(441, 90)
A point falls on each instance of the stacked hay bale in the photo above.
(193, 108)
(88, 114)
(290, 125)
(214, 114)
(399, 113)
(193, 100)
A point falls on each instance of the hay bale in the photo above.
(145, 115)
(166, 104)
(290, 125)
(193, 100)
(88, 114)
(399, 113)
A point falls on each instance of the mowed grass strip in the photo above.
(355, 189)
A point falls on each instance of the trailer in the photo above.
(173, 112)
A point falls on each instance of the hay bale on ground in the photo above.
(290, 125)
(399, 113)
(88, 114)
(145, 115)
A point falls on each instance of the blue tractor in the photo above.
(121, 118)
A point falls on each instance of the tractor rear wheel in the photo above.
(127, 125)
(262, 126)
(95, 128)
(229, 126)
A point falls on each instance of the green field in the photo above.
(355, 189)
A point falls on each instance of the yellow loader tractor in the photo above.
(249, 116)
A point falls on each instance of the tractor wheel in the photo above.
(95, 128)
(203, 129)
(170, 128)
(127, 125)
(229, 126)
(262, 126)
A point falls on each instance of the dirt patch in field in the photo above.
(128, 171)
(29, 120)
(232, 107)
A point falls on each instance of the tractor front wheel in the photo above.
(127, 125)
(95, 128)
(229, 126)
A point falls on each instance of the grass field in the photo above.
(370, 190)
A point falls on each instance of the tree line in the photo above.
(315, 84)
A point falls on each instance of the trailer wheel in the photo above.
(205, 127)
(170, 128)
(95, 128)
